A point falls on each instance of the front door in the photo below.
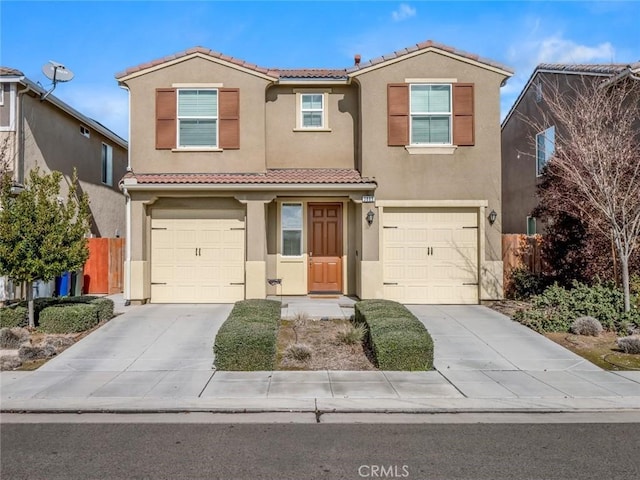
(325, 248)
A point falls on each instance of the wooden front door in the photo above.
(325, 248)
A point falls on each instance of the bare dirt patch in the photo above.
(508, 307)
(327, 351)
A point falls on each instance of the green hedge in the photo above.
(14, 316)
(103, 305)
(69, 318)
(246, 341)
(397, 339)
(556, 308)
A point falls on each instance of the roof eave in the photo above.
(125, 77)
(354, 72)
(132, 185)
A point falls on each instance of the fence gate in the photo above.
(104, 269)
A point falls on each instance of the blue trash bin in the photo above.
(64, 288)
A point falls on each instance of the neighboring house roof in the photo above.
(276, 176)
(613, 72)
(8, 74)
(326, 74)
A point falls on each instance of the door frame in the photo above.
(339, 241)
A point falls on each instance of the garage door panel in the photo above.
(197, 260)
(430, 255)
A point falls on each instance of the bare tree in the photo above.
(597, 155)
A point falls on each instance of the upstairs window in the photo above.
(107, 164)
(430, 114)
(545, 148)
(531, 226)
(291, 225)
(312, 110)
(84, 131)
(197, 118)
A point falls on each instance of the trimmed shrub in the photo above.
(397, 339)
(68, 318)
(629, 344)
(586, 326)
(556, 308)
(103, 305)
(14, 316)
(247, 339)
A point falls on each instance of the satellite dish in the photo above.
(56, 72)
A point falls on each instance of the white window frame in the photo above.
(215, 117)
(299, 110)
(85, 132)
(106, 164)
(535, 225)
(544, 134)
(1, 94)
(413, 113)
(301, 229)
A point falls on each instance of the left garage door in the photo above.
(197, 260)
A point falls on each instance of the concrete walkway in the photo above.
(160, 358)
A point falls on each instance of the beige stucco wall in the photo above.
(470, 173)
(291, 147)
(52, 141)
(193, 71)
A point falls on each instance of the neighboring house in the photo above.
(375, 180)
(525, 150)
(52, 135)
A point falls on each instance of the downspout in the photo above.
(127, 272)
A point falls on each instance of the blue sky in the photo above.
(97, 39)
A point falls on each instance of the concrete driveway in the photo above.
(159, 357)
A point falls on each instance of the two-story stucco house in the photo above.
(526, 149)
(51, 135)
(375, 180)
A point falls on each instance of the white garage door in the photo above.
(431, 255)
(197, 260)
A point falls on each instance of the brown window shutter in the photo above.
(165, 118)
(397, 114)
(463, 124)
(229, 118)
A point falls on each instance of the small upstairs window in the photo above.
(84, 131)
(312, 110)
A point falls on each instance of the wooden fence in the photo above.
(104, 269)
(520, 251)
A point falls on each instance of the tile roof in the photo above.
(10, 72)
(596, 68)
(302, 176)
(311, 73)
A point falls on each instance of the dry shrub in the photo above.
(298, 351)
(586, 326)
(351, 335)
(629, 344)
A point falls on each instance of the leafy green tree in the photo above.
(42, 235)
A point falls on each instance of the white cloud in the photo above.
(524, 54)
(404, 11)
(559, 50)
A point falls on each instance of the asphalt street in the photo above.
(308, 450)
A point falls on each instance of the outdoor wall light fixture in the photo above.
(370, 216)
(492, 217)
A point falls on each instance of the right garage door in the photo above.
(431, 255)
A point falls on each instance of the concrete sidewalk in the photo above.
(159, 358)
